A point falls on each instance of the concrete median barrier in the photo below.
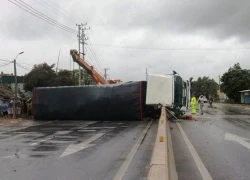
(162, 165)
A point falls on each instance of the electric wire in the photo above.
(23, 67)
(29, 7)
(34, 14)
(95, 55)
(53, 12)
(5, 60)
(6, 64)
(60, 10)
(168, 49)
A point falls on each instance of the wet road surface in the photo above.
(217, 144)
(66, 150)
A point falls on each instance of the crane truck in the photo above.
(96, 76)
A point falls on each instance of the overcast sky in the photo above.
(193, 37)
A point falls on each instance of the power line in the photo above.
(5, 60)
(26, 64)
(63, 12)
(5, 64)
(93, 58)
(26, 5)
(98, 58)
(38, 16)
(94, 54)
(22, 67)
(54, 10)
(169, 49)
(94, 62)
(48, 9)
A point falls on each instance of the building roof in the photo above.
(248, 90)
(5, 93)
(9, 79)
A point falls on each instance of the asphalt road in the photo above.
(215, 146)
(84, 150)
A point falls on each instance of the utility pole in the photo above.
(58, 60)
(81, 40)
(219, 83)
(79, 49)
(84, 39)
(105, 73)
(15, 74)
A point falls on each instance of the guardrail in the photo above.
(162, 165)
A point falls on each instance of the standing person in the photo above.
(4, 108)
(10, 109)
(201, 102)
(211, 102)
(193, 104)
(19, 108)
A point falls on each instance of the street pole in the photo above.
(79, 51)
(84, 38)
(219, 83)
(83, 55)
(15, 74)
(105, 73)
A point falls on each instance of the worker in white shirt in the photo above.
(201, 102)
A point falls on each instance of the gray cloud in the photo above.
(222, 19)
(134, 23)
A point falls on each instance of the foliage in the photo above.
(204, 86)
(64, 78)
(235, 80)
(87, 78)
(43, 75)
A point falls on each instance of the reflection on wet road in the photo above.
(221, 138)
(73, 149)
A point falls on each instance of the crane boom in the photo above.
(96, 76)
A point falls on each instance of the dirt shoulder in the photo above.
(8, 121)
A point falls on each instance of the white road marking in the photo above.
(43, 140)
(203, 170)
(62, 132)
(66, 137)
(13, 137)
(87, 130)
(124, 167)
(73, 148)
(60, 141)
(240, 140)
(99, 128)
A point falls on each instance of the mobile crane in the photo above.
(96, 76)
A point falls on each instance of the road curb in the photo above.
(162, 165)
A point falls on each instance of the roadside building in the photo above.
(222, 97)
(245, 96)
(9, 79)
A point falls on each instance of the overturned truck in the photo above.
(111, 102)
(98, 102)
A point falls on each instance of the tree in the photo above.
(87, 78)
(64, 78)
(204, 86)
(235, 80)
(42, 75)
